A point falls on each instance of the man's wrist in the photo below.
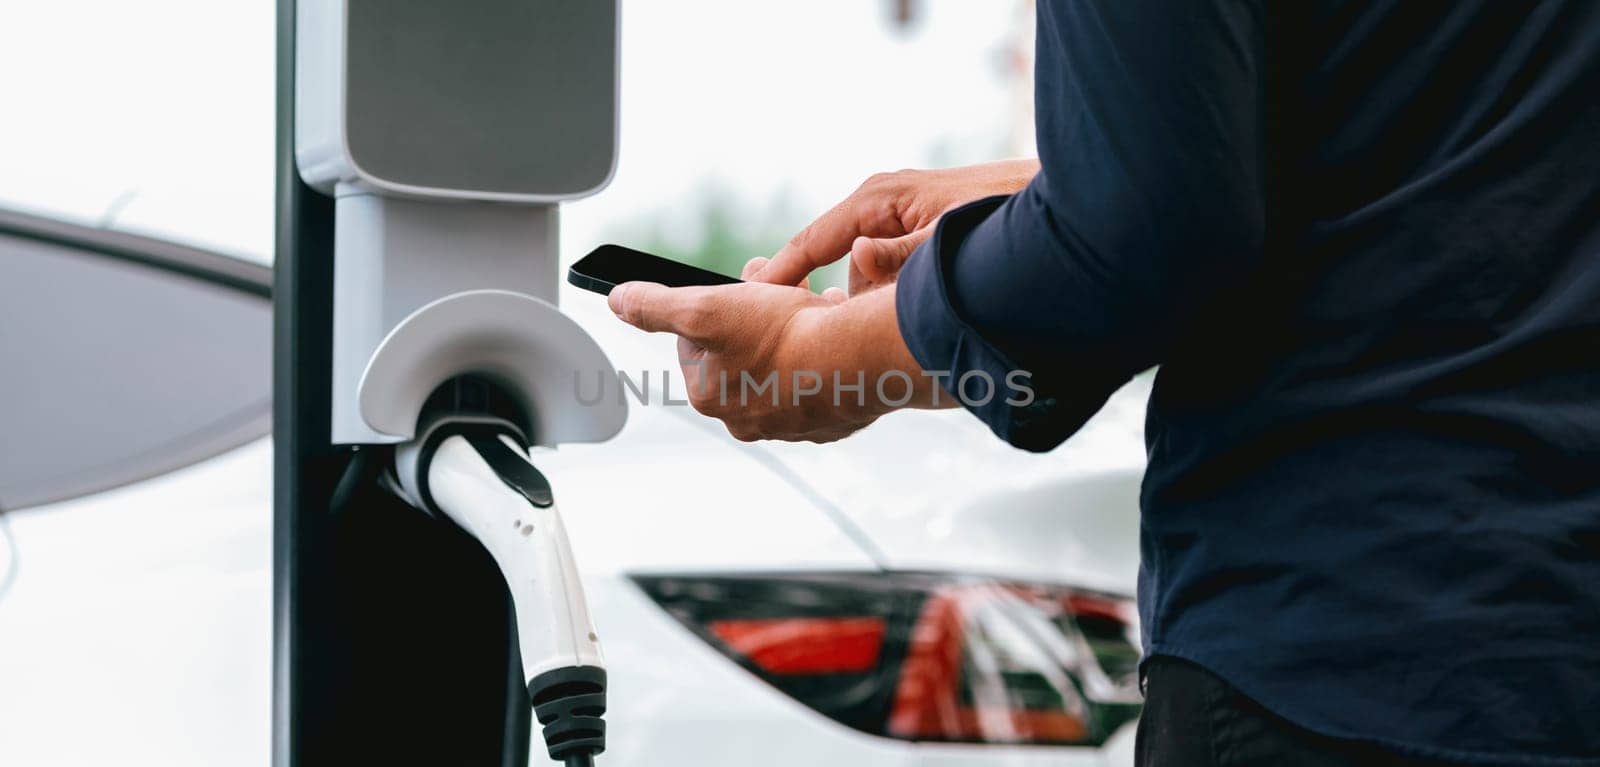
(859, 342)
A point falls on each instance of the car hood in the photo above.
(915, 491)
(939, 491)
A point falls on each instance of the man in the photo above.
(1362, 242)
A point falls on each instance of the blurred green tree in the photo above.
(718, 232)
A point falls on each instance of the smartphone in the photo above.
(611, 265)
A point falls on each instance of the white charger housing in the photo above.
(446, 132)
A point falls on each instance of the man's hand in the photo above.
(774, 361)
(883, 221)
(777, 362)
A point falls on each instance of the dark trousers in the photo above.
(1194, 719)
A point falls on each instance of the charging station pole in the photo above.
(305, 466)
(413, 258)
(381, 618)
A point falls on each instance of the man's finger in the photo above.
(753, 267)
(879, 260)
(869, 211)
(856, 283)
(657, 308)
(825, 241)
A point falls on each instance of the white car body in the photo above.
(122, 647)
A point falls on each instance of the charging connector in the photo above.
(473, 469)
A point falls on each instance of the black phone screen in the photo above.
(611, 265)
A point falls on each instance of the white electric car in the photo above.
(918, 594)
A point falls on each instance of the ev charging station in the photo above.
(425, 600)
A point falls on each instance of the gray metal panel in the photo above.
(113, 370)
(502, 96)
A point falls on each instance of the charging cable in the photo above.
(473, 469)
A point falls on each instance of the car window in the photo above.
(121, 358)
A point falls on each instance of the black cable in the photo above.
(361, 473)
(517, 731)
(580, 760)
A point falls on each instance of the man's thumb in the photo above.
(879, 260)
(646, 305)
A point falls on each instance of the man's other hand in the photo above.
(884, 220)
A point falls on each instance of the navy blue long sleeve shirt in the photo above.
(1362, 243)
